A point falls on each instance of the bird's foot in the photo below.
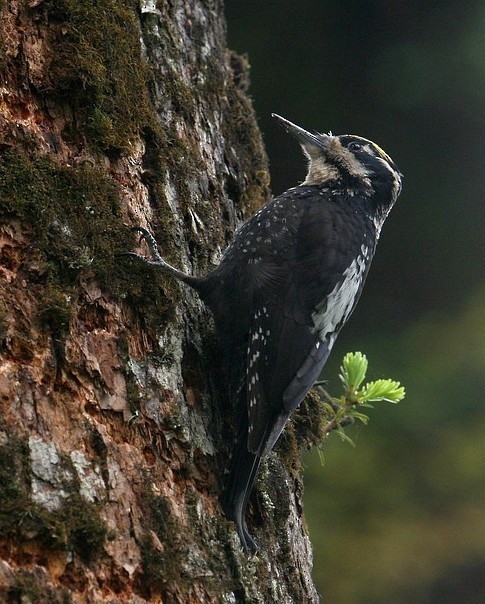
(156, 259)
(151, 242)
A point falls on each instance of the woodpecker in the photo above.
(286, 286)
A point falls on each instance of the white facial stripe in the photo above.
(320, 170)
(351, 163)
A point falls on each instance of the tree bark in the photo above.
(114, 423)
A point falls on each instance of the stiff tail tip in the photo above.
(239, 485)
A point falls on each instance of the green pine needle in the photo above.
(348, 407)
(382, 390)
(353, 370)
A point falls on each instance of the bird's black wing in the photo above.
(298, 308)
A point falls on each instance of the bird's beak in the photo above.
(309, 141)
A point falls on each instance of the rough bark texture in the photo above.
(114, 425)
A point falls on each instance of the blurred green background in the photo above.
(400, 518)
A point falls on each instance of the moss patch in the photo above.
(31, 587)
(160, 569)
(74, 213)
(76, 526)
(54, 311)
(97, 67)
(82, 528)
(303, 431)
(240, 131)
(77, 226)
(309, 421)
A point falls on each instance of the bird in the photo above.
(286, 285)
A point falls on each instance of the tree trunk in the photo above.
(114, 423)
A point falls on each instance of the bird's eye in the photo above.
(354, 146)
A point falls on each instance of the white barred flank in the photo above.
(335, 309)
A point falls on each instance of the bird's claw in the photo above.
(151, 242)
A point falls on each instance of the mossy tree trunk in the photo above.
(114, 424)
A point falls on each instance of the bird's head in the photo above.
(355, 163)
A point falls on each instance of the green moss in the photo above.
(30, 587)
(303, 431)
(161, 520)
(14, 492)
(154, 564)
(84, 529)
(74, 213)
(54, 310)
(78, 227)
(309, 421)
(240, 131)
(76, 526)
(162, 568)
(98, 68)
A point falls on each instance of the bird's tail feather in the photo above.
(242, 472)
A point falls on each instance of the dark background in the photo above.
(400, 518)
